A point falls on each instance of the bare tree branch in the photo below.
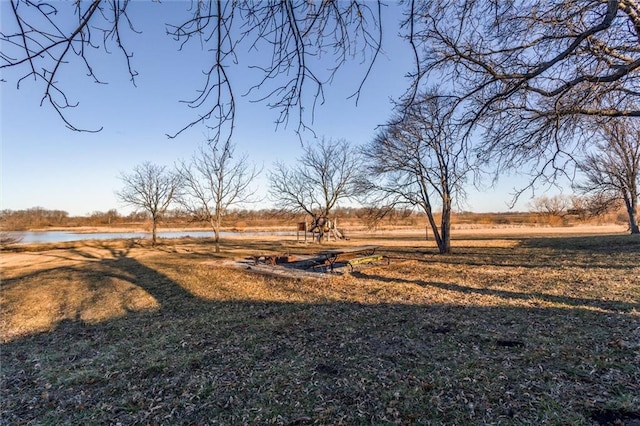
(298, 34)
(529, 75)
(325, 174)
(43, 43)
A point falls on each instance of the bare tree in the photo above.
(372, 215)
(43, 38)
(592, 205)
(554, 208)
(612, 169)
(326, 173)
(8, 239)
(581, 207)
(213, 181)
(420, 158)
(151, 188)
(530, 73)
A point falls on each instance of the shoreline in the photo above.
(142, 229)
(458, 233)
(473, 228)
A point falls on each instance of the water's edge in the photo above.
(34, 237)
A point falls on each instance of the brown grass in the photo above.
(507, 330)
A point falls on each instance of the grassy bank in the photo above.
(541, 330)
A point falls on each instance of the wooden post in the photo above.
(302, 226)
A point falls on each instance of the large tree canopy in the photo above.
(45, 37)
(530, 73)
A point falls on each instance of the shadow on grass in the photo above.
(169, 294)
(230, 248)
(593, 252)
(100, 289)
(505, 257)
(611, 244)
(611, 306)
(197, 361)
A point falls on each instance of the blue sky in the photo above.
(45, 164)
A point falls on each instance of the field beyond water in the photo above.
(510, 329)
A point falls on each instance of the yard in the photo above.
(510, 329)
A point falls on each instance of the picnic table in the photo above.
(350, 256)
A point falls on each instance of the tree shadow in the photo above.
(191, 360)
(195, 361)
(201, 361)
(608, 244)
(95, 291)
(578, 302)
(168, 293)
(590, 254)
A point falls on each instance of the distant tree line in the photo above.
(542, 211)
(40, 217)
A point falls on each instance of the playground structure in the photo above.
(321, 228)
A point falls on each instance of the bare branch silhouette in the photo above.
(296, 33)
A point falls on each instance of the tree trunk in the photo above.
(154, 228)
(318, 225)
(633, 220)
(215, 225)
(436, 233)
(445, 230)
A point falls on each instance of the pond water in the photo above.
(64, 236)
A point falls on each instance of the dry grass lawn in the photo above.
(509, 329)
